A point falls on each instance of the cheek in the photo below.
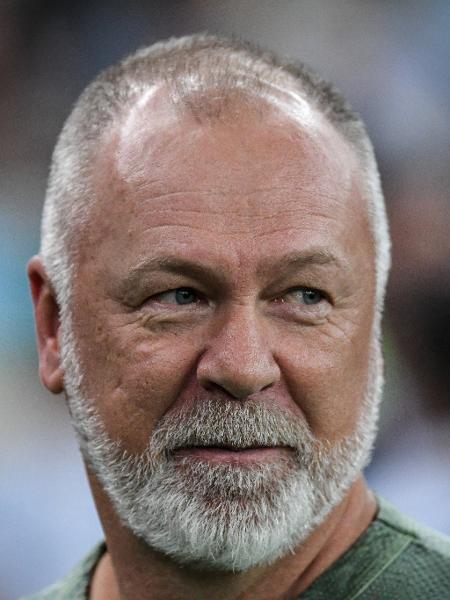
(134, 380)
(327, 379)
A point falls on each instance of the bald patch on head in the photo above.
(136, 133)
(160, 121)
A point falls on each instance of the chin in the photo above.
(226, 518)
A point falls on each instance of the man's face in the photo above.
(229, 264)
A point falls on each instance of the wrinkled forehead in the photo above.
(165, 175)
(254, 159)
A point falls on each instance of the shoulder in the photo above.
(419, 536)
(418, 566)
(76, 584)
(395, 558)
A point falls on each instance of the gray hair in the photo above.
(191, 67)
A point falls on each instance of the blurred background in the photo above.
(391, 59)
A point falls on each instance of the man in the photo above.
(208, 295)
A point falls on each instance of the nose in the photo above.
(238, 358)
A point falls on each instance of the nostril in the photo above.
(211, 386)
(234, 389)
(226, 390)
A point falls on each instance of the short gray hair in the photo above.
(191, 67)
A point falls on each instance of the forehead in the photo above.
(268, 170)
(282, 131)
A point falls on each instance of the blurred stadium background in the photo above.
(391, 59)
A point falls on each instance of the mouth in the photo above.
(233, 454)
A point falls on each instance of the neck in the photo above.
(132, 570)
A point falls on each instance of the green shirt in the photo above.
(395, 559)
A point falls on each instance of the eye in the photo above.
(179, 296)
(308, 296)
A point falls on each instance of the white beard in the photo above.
(223, 516)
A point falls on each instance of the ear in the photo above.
(46, 314)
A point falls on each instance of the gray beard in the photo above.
(223, 516)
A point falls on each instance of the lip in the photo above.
(223, 454)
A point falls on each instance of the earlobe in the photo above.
(46, 312)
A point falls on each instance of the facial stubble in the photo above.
(223, 516)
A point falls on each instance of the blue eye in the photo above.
(307, 296)
(178, 296)
(312, 296)
(185, 296)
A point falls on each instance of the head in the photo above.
(215, 244)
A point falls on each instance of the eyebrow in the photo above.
(169, 264)
(282, 266)
(296, 261)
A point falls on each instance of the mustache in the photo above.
(232, 424)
